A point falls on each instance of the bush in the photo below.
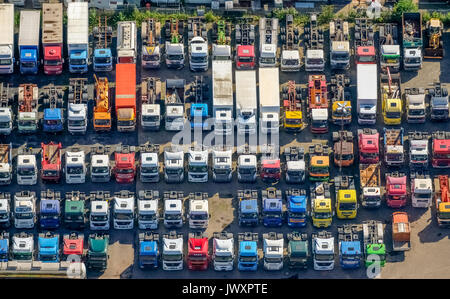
(326, 15)
(211, 18)
(403, 6)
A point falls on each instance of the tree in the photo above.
(403, 6)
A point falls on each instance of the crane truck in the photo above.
(102, 109)
(340, 95)
(291, 96)
(391, 100)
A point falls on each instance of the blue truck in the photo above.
(53, 121)
(148, 250)
(78, 36)
(248, 251)
(350, 253)
(50, 209)
(4, 246)
(48, 247)
(296, 207)
(248, 207)
(103, 60)
(30, 21)
(197, 94)
(272, 212)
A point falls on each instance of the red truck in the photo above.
(52, 38)
(441, 150)
(369, 146)
(73, 245)
(125, 165)
(245, 40)
(396, 193)
(270, 169)
(198, 257)
(51, 162)
(318, 103)
(364, 42)
(126, 97)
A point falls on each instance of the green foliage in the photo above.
(301, 19)
(16, 18)
(444, 17)
(326, 15)
(211, 18)
(403, 6)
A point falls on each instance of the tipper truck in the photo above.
(442, 198)
(151, 41)
(222, 97)
(367, 93)
(290, 38)
(373, 246)
(7, 60)
(291, 97)
(126, 42)
(370, 183)
(6, 167)
(78, 36)
(268, 46)
(102, 109)
(102, 33)
(77, 106)
(401, 232)
(126, 97)
(339, 44)
(314, 41)
(389, 48)
(30, 24)
(412, 41)
(269, 100)
(28, 98)
(150, 103)
(246, 102)
(51, 162)
(6, 114)
(52, 38)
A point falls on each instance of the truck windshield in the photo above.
(124, 123)
(48, 257)
(444, 215)
(195, 168)
(247, 259)
(223, 259)
(441, 156)
(423, 195)
(22, 256)
(297, 215)
(412, 60)
(78, 123)
(147, 217)
(7, 61)
(172, 257)
(147, 258)
(393, 114)
(273, 260)
(99, 218)
(319, 170)
(27, 64)
(25, 171)
(249, 215)
(245, 59)
(102, 59)
(52, 122)
(153, 169)
(289, 62)
(322, 215)
(102, 122)
(268, 60)
(347, 206)
(351, 257)
(73, 216)
(366, 58)
(123, 216)
(23, 216)
(5, 124)
(124, 170)
(199, 59)
(394, 157)
(52, 62)
(315, 61)
(26, 123)
(150, 57)
(272, 214)
(172, 216)
(247, 170)
(319, 123)
(372, 198)
(295, 173)
(4, 215)
(199, 216)
(419, 158)
(439, 110)
(177, 57)
(271, 170)
(389, 60)
(74, 169)
(290, 121)
(77, 61)
(416, 112)
(340, 56)
(324, 257)
(100, 170)
(4, 175)
(150, 117)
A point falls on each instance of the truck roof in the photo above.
(148, 247)
(367, 81)
(125, 85)
(77, 23)
(7, 21)
(126, 35)
(269, 88)
(30, 21)
(245, 89)
(222, 83)
(249, 206)
(52, 23)
(352, 247)
(248, 247)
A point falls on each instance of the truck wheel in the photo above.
(70, 97)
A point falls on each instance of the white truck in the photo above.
(421, 190)
(174, 165)
(314, 58)
(222, 164)
(198, 165)
(367, 93)
(77, 107)
(124, 206)
(24, 209)
(339, 45)
(149, 168)
(78, 36)
(269, 100)
(323, 250)
(6, 115)
(247, 164)
(416, 109)
(268, 37)
(290, 54)
(151, 40)
(295, 165)
(7, 60)
(223, 251)
(100, 214)
(27, 171)
(222, 97)
(151, 108)
(246, 102)
(126, 42)
(198, 210)
(100, 167)
(27, 108)
(418, 149)
(5, 209)
(273, 250)
(174, 117)
(148, 209)
(172, 251)
(198, 44)
(173, 208)
(75, 168)
(6, 167)
(174, 47)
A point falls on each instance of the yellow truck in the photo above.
(319, 162)
(321, 210)
(291, 96)
(341, 113)
(346, 200)
(391, 99)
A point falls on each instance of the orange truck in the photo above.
(102, 109)
(126, 97)
(401, 232)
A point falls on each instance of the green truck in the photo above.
(97, 255)
(298, 252)
(75, 213)
(374, 247)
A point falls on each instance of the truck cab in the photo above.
(77, 107)
(174, 166)
(48, 247)
(73, 247)
(147, 209)
(97, 255)
(418, 149)
(248, 207)
(247, 168)
(27, 171)
(396, 193)
(100, 168)
(50, 209)
(223, 251)
(350, 251)
(401, 232)
(173, 208)
(248, 251)
(272, 204)
(415, 105)
(393, 147)
(5, 210)
(346, 199)
(75, 169)
(198, 166)
(172, 254)
(99, 217)
(369, 146)
(75, 212)
(51, 162)
(148, 250)
(321, 210)
(198, 256)
(297, 250)
(30, 21)
(440, 149)
(295, 168)
(290, 55)
(4, 247)
(123, 214)
(323, 250)
(198, 54)
(27, 112)
(102, 35)
(296, 207)
(374, 243)
(198, 210)
(439, 106)
(421, 190)
(268, 51)
(24, 209)
(391, 104)
(7, 37)
(270, 169)
(319, 162)
(22, 247)
(149, 166)
(343, 148)
(222, 166)
(53, 120)
(125, 164)
(273, 250)
(245, 58)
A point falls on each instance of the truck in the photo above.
(50, 209)
(222, 78)
(391, 99)
(314, 44)
(124, 210)
(126, 97)
(221, 37)
(198, 158)
(75, 169)
(5, 212)
(150, 103)
(418, 149)
(198, 97)
(24, 214)
(321, 210)
(52, 38)
(317, 107)
(442, 197)
(339, 45)
(246, 103)
(364, 42)
(27, 171)
(346, 199)
(48, 247)
(75, 209)
(151, 44)
(149, 163)
(248, 207)
(291, 97)
(350, 251)
(173, 165)
(245, 43)
(172, 253)
(421, 189)
(198, 256)
(22, 247)
(102, 35)
(297, 207)
(73, 247)
(27, 108)
(273, 250)
(223, 254)
(148, 209)
(30, 21)
(344, 153)
(99, 212)
(247, 258)
(272, 207)
(434, 45)
(149, 253)
(439, 106)
(173, 208)
(124, 168)
(97, 254)
(6, 115)
(174, 47)
(77, 107)
(127, 43)
(51, 162)
(100, 168)
(369, 146)
(174, 116)
(297, 250)
(290, 38)
(341, 96)
(6, 167)
(401, 232)
(319, 162)
(53, 110)
(440, 149)
(269, 100)
(367, 93)
(370, 184)
(268, 46)
(4, 247)
(389, 48)
(222, 164)
(322, 245)
(7, 38)
(295, 167)
(412, 41)
(270, 166)
(102, 108)
(394, 153)
(198, 44)
(78, 36)
(198, 210)
(396, 194)
(247, 166)
(415, 105)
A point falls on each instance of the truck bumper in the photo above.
(150, 179)
(363, 121)
(198, 178)
(52, 71)
(103, 68)
(49, 224)
(100, 179)
(5, 181)
(126, 129)
(99, 226)
(26, 181)
(123, 225)
(78, 70)
(77, 130)
(169, 224)
(148, 225)
(247, 267)
(415, 120)
(296, 223)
